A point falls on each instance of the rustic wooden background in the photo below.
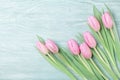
(22, 20)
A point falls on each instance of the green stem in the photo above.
(84, 63)
(113, 64)
(88, 66)
(107, 64)
(100, 36)
(104, 56)
(62, 58)
(51, 58)
(71, 67)
(98, 69)
(61, 67)
(112, 34)
(107, 68)
(99, 55)
(77, 71)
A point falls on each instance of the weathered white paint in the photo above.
(21, 20)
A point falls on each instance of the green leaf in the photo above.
(117, 41)
(78, 66)
(73, 63)
(96, 72)
(60, 67)
(40, 38)
(106, 68)
(80, 38)
(96, 12)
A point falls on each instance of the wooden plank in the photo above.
(21, 20)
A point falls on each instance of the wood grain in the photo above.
(21, 20)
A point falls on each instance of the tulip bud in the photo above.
(85, 51)
(42, 47)
(107, 20)
(74, 47)
(89, 39)
(94, 24)
(51, 46)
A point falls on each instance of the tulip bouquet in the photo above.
(96, 57)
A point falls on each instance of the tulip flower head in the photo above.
(51, 46)
(94, 24)
(89, 39)
(73, 46)
(42, 47)
(85, 51)
(107, 20)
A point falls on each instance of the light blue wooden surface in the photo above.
(21, 20)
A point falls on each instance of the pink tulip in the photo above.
(74, 47)
(89, 39)
(94, 24)
(85, 51)
(42, 47)
(51, 46)
(107, 20)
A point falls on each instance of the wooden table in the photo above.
(22, 20)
